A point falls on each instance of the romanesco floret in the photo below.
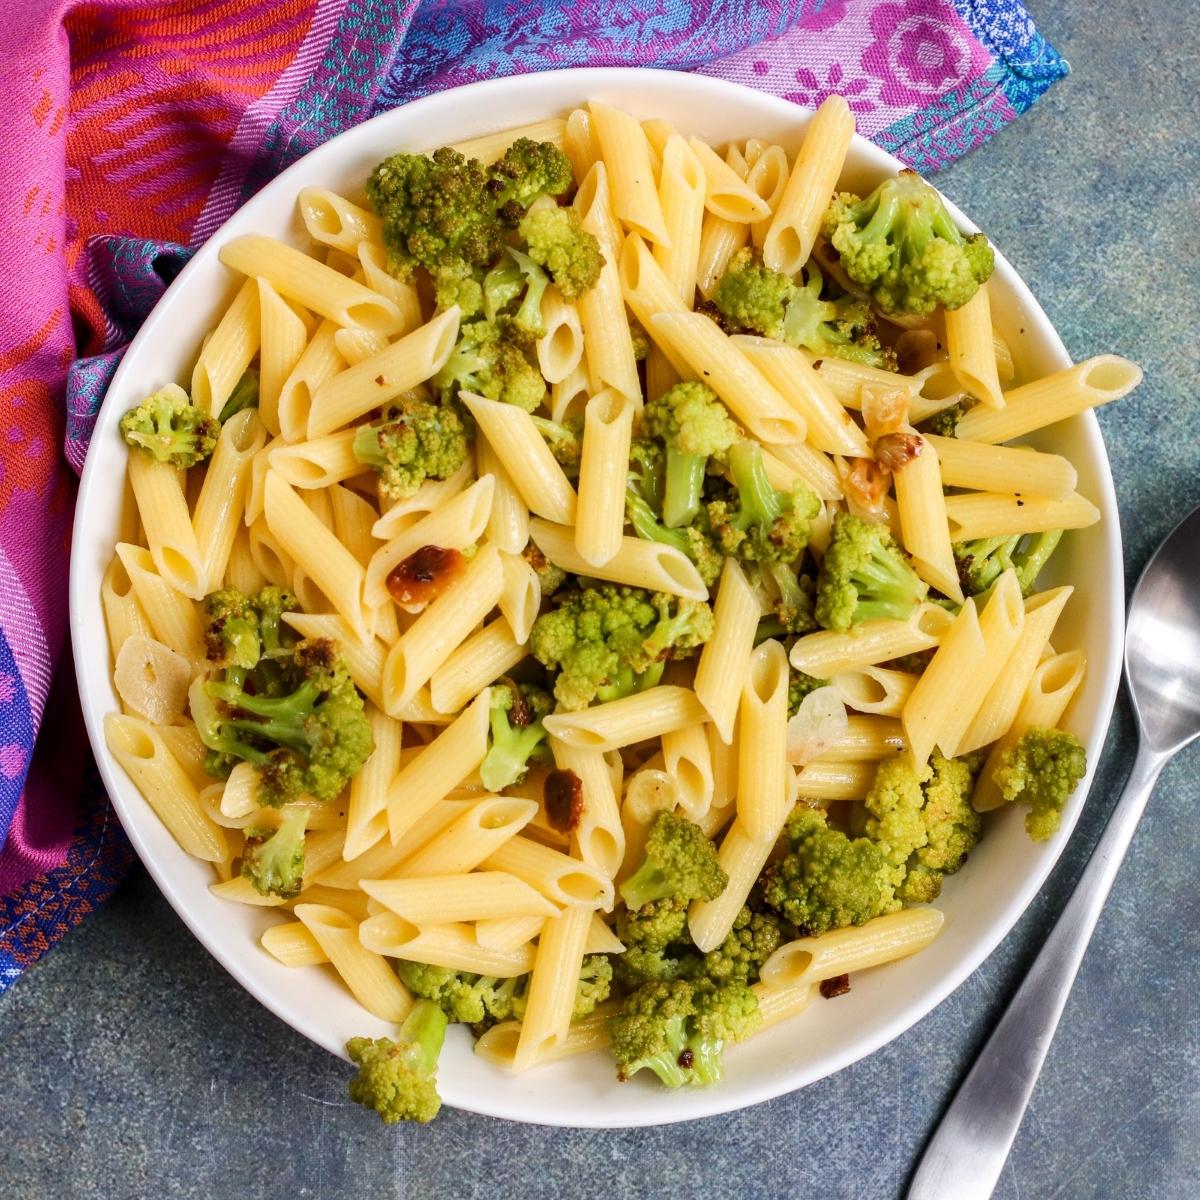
(754, 522)
(693, 540)
(169, 428)
(799, 685)
(417, 440)
(678, 1029)
(565, 439)
(475, 1000)
(656, 942)
(494, 360)
(1041, 770)
(755, 936)
(693, 426)
(864, 575)
(827, 880)
(901, 245)
(527, 170)
(591, 989)
(297, 718)
(750, 297)
(517, 733)
(793, 595)
(982, 561)
(608, 641)
(273, 859)
(679, 863)
(550, 577)
(437, 213)
(944, 423)
(398, 1077)
(894, 802)
(515, 287)
(555, 239)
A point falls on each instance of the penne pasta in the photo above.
(631, 719)
(607, 432)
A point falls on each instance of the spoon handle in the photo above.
(968, 1151)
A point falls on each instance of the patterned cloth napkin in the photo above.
(133, 128)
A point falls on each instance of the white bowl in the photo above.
(981, 903)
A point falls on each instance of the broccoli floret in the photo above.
(243, 396)
(656, 942)
(750, 297)
(864, 575)
(231, 630)
(678, 1029)
(492, 359)
(517, 733)
(895, 823)
(1041, 770)
(693, 426)
(799, 685)
(565, 439)
(437, 213)
(557, 241)
(945, 422)
(475, 1000)
(901, 245)
(693, 540)
(755, 936)
(398, 1077)
(679, 863)
(794, 596)
(515, 287)
(527, 170)
(297, 718)
(273, 859)
(754, 522)
(417, 440)
(827, 880)
(169, 428)
(550, 577)
(982, 561)
(608, 641)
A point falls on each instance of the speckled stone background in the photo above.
(132, 1066)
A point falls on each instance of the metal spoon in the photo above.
(964, 1158)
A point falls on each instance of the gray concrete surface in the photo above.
(132, 1066)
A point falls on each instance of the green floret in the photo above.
(492, 359)
(231, 630)
(557, 241)
(752, 298)
(945, 422)
(753, 521)
(417, 440)
(693, 426)
(475, 1000)
(460, 285)
(678, 1029)
(608, 641)
(901, 245)
(679, 863)
(693, 540)
(437, 213)
(641, 341)
(565, 439)
(515, 287)
(297, 718)
(273, 859)
(755, 936)
(794, 595)
(1041, 770)
(799, 685)
(827, 880)
(517, 733)
(895, 823)
(591, 989)
(398, 1077)
(982, 561)
(864, 575)
(169, 428)
(243, 396)
(527, 170)
(550, 577)
(656, 942)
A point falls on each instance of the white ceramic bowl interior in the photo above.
(981, 903)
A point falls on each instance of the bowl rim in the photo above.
(1105, 676)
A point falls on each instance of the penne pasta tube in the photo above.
(479, 661)
(311, 283)
(521, 598)
(856, 948)
(124, 617)
(453, 945)
(638, 563)
(767, 178)
(580, 144)
(831, 652)
(786, 464)
(533, 469)
(372, 383)
(600, 516)
(762, 795)
(227, 352)
(489, 147)
(564, 880)
(601, 939)
(317, 464)
(923, 523)
(498, 1045)
(866, 739)
(320, 361)
(439, 767)
(742, 858)
(366, 818)
(797, 219)
(1017, 470)
(987, 514)
(876, 690)
(972, 351)
(282, 340)
(373, 262)
(172, 616)
(688, 761)
(444, 899)
(726, 193)
(508, 521)
(429, 497)
(681, 192)
(440, 629)
(720, 240)
(618, 723)
(626, 155)
(560, 348)
(599, 838)
(293, 945)
(508, 933)
(725, 657)
(474, 834)
(1088, 384)
(778, 1004)
(162, 505)
(334, 221)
